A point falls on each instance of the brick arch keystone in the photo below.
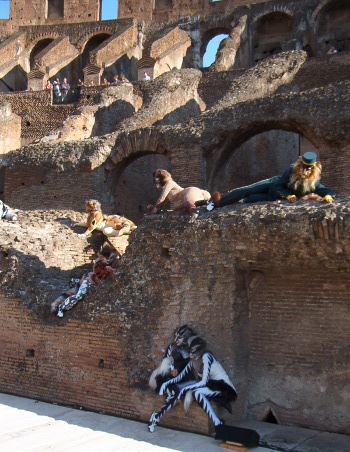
(135, 144)
(33, 42)
(265, 13)
(84, 39)
(318, 9)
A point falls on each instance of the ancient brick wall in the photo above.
(166, 11)
(78, 33)
(33, 188)
(299, 325)
(280, 334)
(37, 12)
(39, 117)
(82, 363)
(10, 129)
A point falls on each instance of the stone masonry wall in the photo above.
(10, 129)
(39, 117)
(36, 12)
(281, 335)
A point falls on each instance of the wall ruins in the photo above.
(266, 284)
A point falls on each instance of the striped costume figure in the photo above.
(6, 213)
(175, 359)
(211, 384)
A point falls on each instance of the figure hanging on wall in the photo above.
(80, 287)
(211, 384)
(187, 199)
(6, 213)
(300, 181)
(110, 225)
(175, 359)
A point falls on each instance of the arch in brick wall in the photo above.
(269, 33)
(330, 24)
(40, 45)
(218, 159)
(39, 38)
(85, 37)
(134, 158)
(132, 145)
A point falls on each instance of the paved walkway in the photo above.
(29, 425)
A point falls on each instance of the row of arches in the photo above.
(275, 31)
(267, 34)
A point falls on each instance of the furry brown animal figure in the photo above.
(110, 225)
(180, 198)
(304, 179)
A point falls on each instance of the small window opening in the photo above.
(55, 9)
(270, 418)
(30, 353)
(101, 364)
(166, 251)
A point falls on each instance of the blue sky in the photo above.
(4, 9)
(109, 9)
(212, 48)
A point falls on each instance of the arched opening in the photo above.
(74, 70)
(91, 45)
(109, 9)
(210, 44)
(135, 189)
(55, 9)
(212, 48)
(262, 156)
(39, 47)
(332, 25)
(5, 9)
(270, 33)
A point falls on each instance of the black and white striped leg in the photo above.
(203, 395)
(71, 301)
(157, 415)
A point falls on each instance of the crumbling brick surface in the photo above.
(231, 275)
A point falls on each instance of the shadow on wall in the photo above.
(124, 65)
(181, 115)
(108, 118)
(47, 282)
(136, 183)
(14, 80)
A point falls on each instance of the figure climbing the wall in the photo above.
(6, 213)
(300, 181)
(175, 359)
(110, 225)
(211, 384)
(187, 199)
(80, 287)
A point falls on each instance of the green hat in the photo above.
(309, 158)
